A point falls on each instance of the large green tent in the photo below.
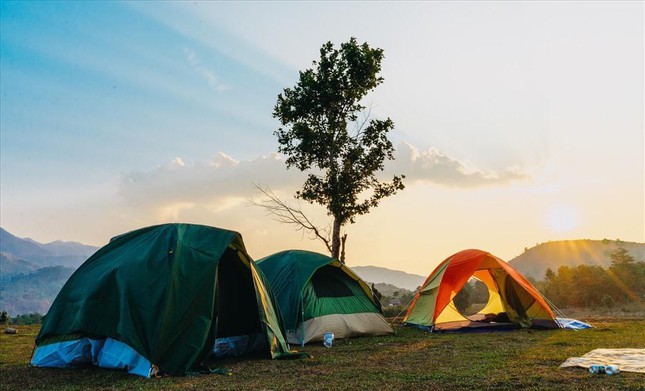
(318, 294)
(161, 298)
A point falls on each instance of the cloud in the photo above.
(176, 186)
(206, 73)
(434, 166)
(224, 182)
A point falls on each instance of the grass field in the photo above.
(411, 359)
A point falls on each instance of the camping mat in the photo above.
(628, 360)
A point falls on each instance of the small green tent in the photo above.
(317, 294)
(161, 298)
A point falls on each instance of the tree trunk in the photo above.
(343, 239)
(335, 239)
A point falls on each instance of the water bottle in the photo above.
(597, 369)
(328, 339)
(612, 370)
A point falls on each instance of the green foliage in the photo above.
(391, 296)
(629, 276)
(592, 286)
(550, 275)
(537, 260)
(387, 290)
(394, 311)
(4, 317)
(407, 297)
(608, 301)
(621, 256)
(27, 319)
(321, 133)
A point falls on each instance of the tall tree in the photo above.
(629, 275)
(322, 135)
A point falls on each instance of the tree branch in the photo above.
(360, 126)
(283, 213)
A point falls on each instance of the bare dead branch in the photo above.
(287, 214)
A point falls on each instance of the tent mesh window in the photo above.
(517, 297)
(330, 281)
(472, 298)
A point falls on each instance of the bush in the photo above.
(4, 318)
(391, 312)
(608, 301)
(27, 319)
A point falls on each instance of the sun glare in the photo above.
(562, 218)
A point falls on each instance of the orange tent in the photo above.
(512, 300)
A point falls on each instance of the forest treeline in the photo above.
(587, 286)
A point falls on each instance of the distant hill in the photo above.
(20, 248)
(32, 273)
(389, 289)
(397, 278)
(11, 266)
(62, 249)
(536, 260)
(33, 292)
(58, 253)
(393, 295)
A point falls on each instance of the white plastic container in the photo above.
(328, 339)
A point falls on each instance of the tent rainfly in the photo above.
(162, 299)
(317, 294)
(512, 301)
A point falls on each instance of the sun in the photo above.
(562, 218)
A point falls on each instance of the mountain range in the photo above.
(57, 253)
(397, 278)
(32, 273)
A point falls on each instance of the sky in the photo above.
(516, 123)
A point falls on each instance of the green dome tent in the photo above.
(161, 298)
(317, 294)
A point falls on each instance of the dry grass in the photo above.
(411, 359)
(627, 311)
